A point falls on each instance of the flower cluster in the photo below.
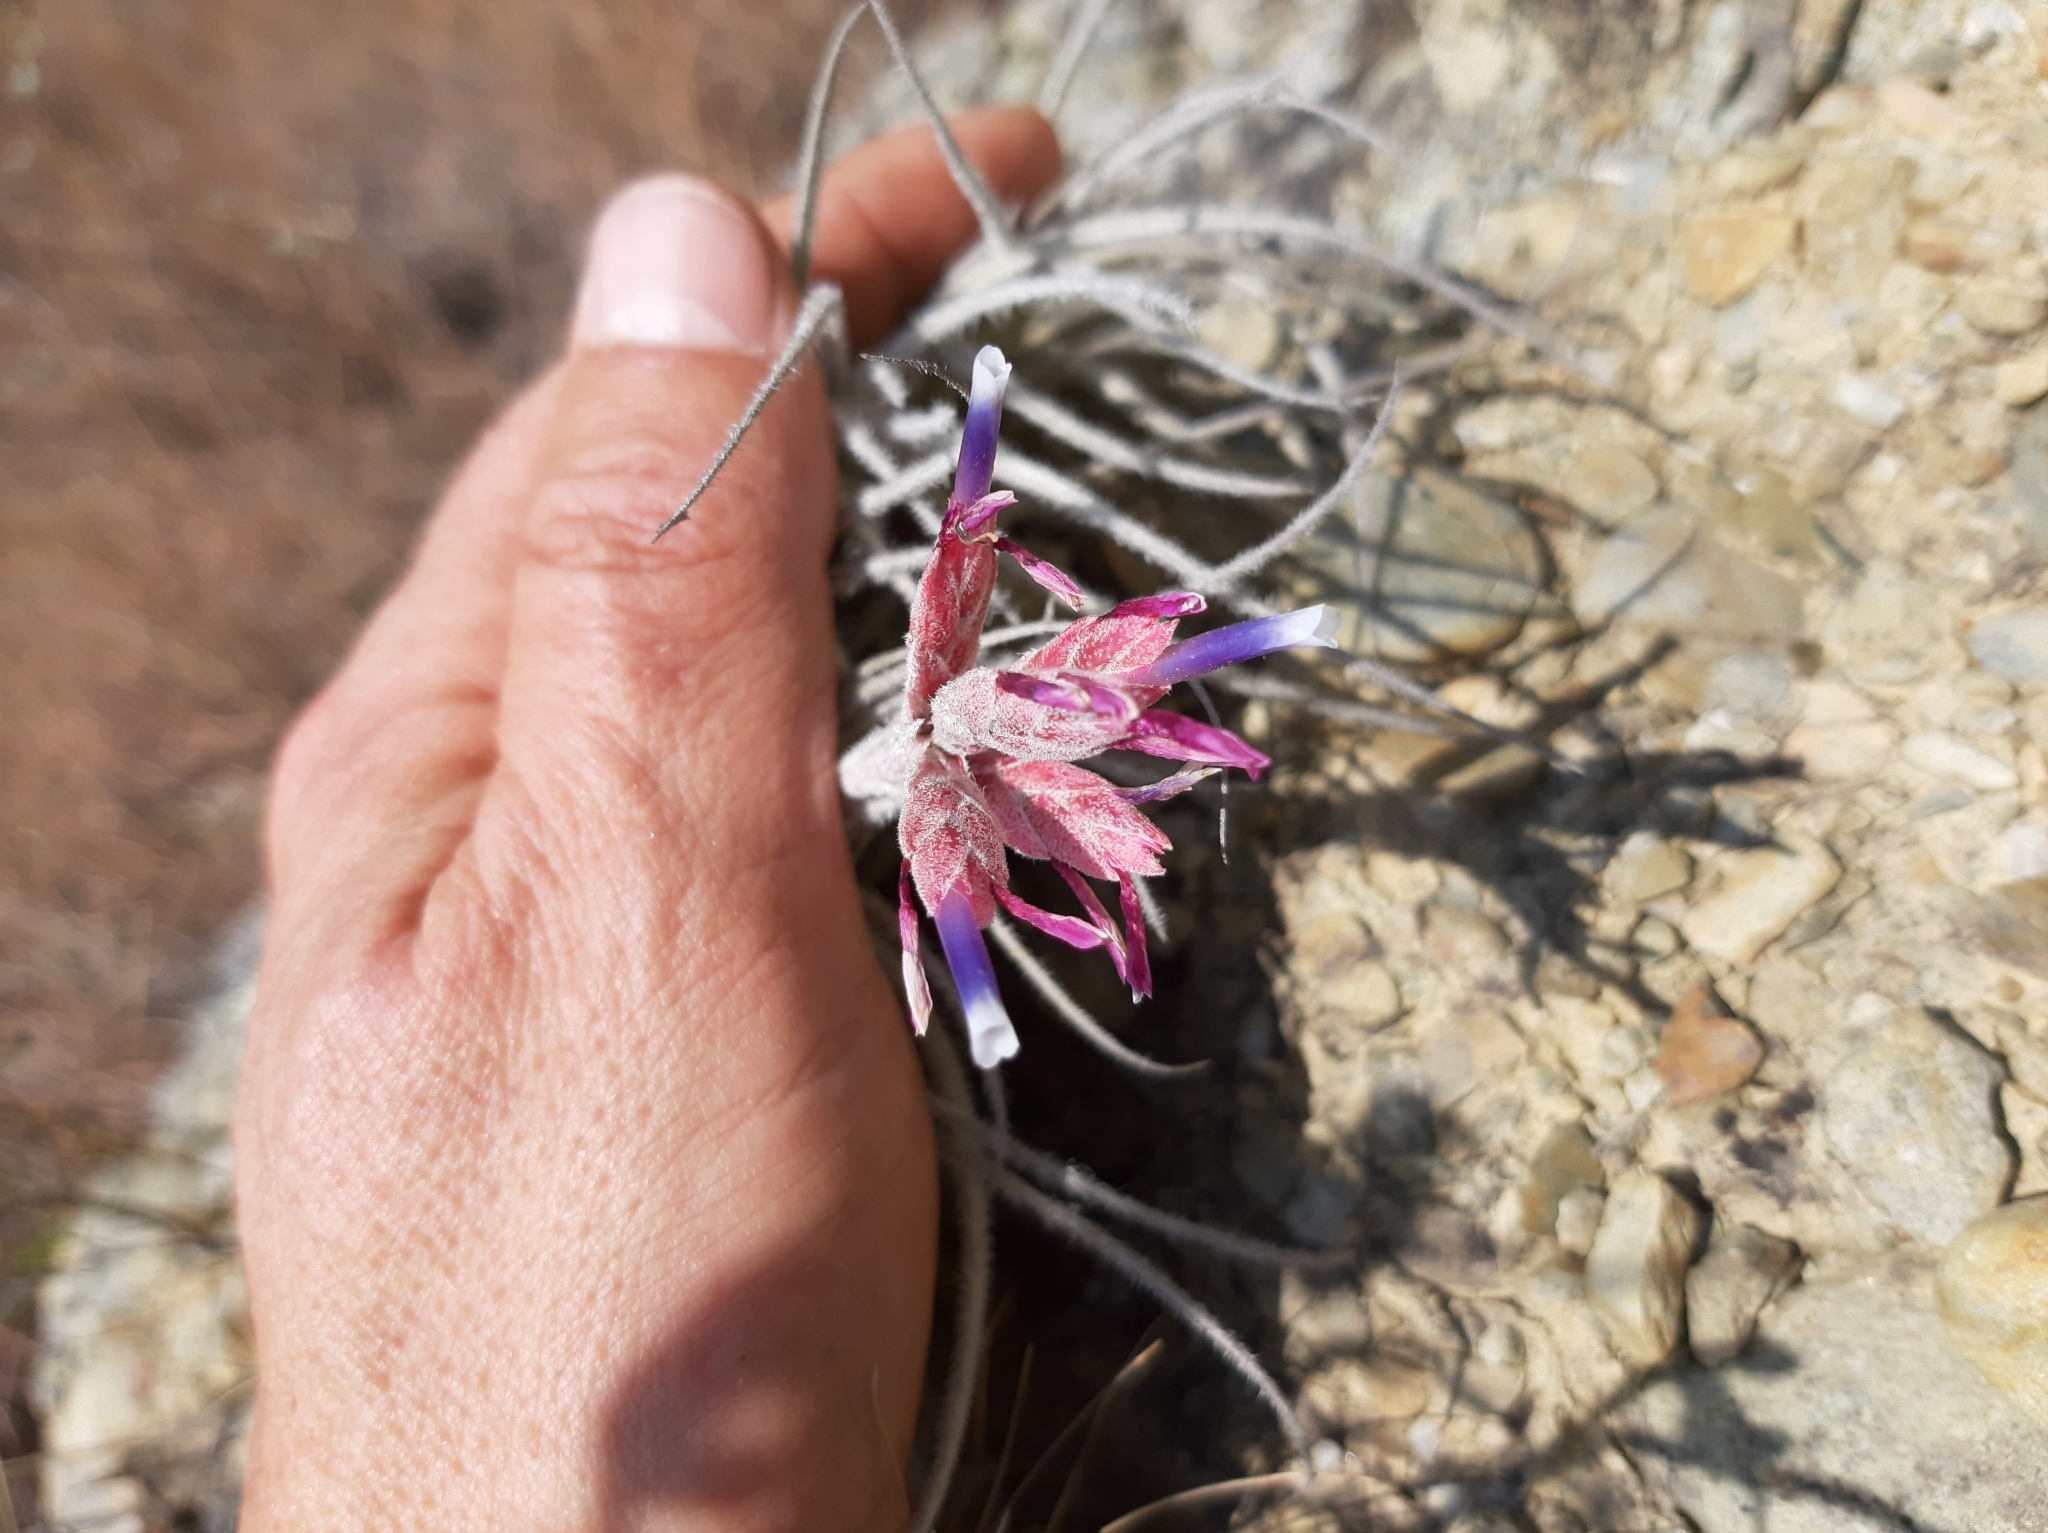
(988, 755)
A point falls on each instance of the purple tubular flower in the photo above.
(989, 1032)
(1235, 643)
(978, 438)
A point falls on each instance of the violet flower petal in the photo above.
(1156, 732)
(1171, 786)
(1237, 642)
(978, 438)
(1165, 604)
(989, 1033)
(1050, 576)
(973, 522)
(1070, 693)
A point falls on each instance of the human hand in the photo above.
(585, 1177)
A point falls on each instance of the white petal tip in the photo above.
(1328, 620)
(990, 363)
(993, 1042)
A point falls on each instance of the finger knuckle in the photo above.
(605, 521)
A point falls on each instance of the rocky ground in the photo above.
(1685, 1093)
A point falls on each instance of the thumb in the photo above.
(646, 649)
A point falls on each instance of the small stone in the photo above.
(1430, 567)
(1840, 735)
(2027, 445)
(1578, 1219)
(1911, 1115)
(1948, 758)
(1635, 1272)
(1762, 891)
(1920, 111)
(2011, 921)
(1891, 630)
(1457, 1049)
(1993, 1289)
(1661, 567)
(1500, 773)
(1703, 1050)
(1594, 458)
(1621, 1052)
(1462, 937)
(1496, 1377)
(1764, 514)
(1751, 684)
(1322, 1325)
(1725, 254)
(1755, 167)
(1646, 866)
(1363, 993)
(1654, 938)
(1563, 1161)
(1941, 181)
(2005, 303)
(1868, 402)
(2022, 380)
(1642, 1090)
(1937, 244)
(1743, 1270)
(1243, 329)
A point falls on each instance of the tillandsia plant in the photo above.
(986, 756)
(1225, 468)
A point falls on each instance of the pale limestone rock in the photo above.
(1661, 568)
(1635, 1271)
(1946, 757)
(1840, 734)
(1859, 1415)
(1595, 458)
(1645, 866)
(1742, 1271)
(1920, 111)
(1724, 254)
(1893, 629)
(1910, 1115)
(2014, 645)
(1429, 567)
(1578, 1219)
(1244, 329)
(1943, 245)
(2021, 380)
(1866, 400)
(1761, 892)
(1993, 1290)
(2009, 302)
(1563, 1161)
(1755, 167)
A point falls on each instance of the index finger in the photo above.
(890, 217)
